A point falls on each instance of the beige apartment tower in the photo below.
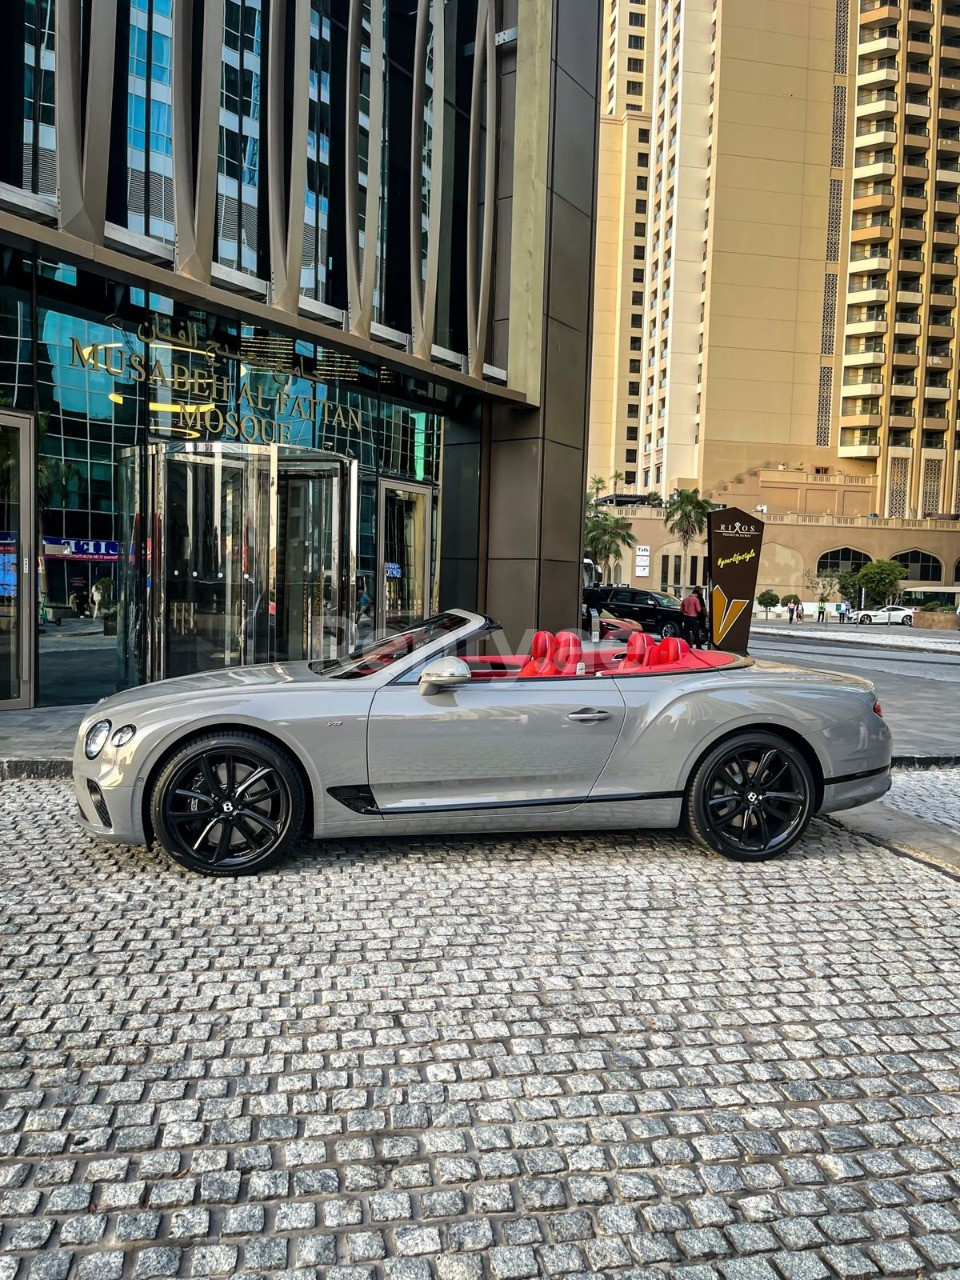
(796, 345)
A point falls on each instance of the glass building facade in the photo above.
(253, 334)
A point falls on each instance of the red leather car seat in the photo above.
(569, 654)
(649, 656)
(673, 649)
(638, 644)
(541, 660)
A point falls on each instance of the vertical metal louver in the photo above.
(829, 322)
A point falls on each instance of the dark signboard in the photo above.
(734, 539)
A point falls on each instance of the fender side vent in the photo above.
(359, 799)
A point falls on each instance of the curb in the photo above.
(876, 643)
(905, 835)
(925, 762)
(22, 770)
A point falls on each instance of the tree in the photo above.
(616, 477)
(605, 536)
(768, 600)
(687, 519)
(790, 598)
(848, 586)
(881, 581)
(654, 498)
(596, 486)
(821, 585)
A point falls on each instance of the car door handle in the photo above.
(588, 715)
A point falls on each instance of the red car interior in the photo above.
(564, 655)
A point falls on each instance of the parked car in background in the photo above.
(896, 615)
(655, 611)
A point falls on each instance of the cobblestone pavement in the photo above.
(451, 1059)
(933, 794)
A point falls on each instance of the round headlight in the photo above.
(123, 735)
(96, 739)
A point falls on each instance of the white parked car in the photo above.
(892, 614)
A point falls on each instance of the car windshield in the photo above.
(377, 652)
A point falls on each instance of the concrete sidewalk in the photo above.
(38, 743)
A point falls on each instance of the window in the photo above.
(841, 560)
(630, 477)
(634, 88)
(641, 206)
(694, 561)
(644, 135)
(635, 65)
(920, 566)
(664, 572)
(641, 184)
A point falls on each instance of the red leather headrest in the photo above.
(638, 644)
(652, 657)
(670, 650)
(543, 645)
(569, 649)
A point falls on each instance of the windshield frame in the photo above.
(345, 668)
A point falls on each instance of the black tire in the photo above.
(864, 621)
(718, 810)
(227, 804)
(670, 629)
(906, 621)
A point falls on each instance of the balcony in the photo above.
(948, 173)
(913, 204)
(873, 134)
(920, 13)
(878, 13)
(871, 294)
(866, 328)
(863, 359)
(949, 49)
(944, 238)
(919, 44)
(944, 331)
(884, 75)
(906, 360)
(909, 297)
(943, 296)
(949, 80)
(906, 328)
(858, 443)
(916, 137)
(912, 230)
(937, 393)
(872, 261)
(919, 79)
(949, 207)
(860, 387)
(879, 199)
(865, 170)
(910, 264)
(939, 362)
(903, 388)
(935, 420)
(902, 420)
(917, 105)
(873, 43)
(876, 104)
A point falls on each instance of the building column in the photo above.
(543, 304)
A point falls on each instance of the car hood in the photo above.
(783, 672)
(231, 680)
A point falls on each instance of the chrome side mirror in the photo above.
(443, 673)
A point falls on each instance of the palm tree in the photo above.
(616, 477)
(596, 486)
(606, 536)
(687, 519)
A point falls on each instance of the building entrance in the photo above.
(18, 600)
(238, 555)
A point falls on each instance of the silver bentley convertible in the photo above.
(437, 729)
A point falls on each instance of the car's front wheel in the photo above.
(751, 798)
(864, 619)
(670, 629)
(227, 804)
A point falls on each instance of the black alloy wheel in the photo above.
(670, 629)
(751, 798)
(227, 804)
(864, 620)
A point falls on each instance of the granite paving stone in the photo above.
(484, 1058)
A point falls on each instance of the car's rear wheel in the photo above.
(227, 804)
(906, 621)
(670, 629)
(751, 798)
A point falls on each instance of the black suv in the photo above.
(654, 610)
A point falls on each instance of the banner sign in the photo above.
(734, 539)
(94, 550)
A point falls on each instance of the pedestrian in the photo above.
(958, 616)
(842, 611)
(791, 610)
(821, 610)
(691, 609)
(799, 610)
(702, 620)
